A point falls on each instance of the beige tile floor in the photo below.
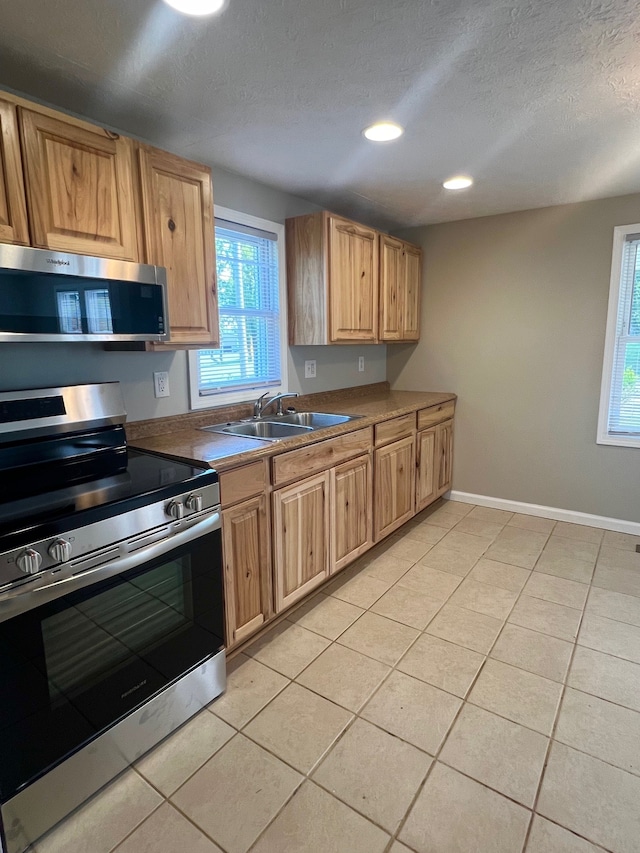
(472, 684)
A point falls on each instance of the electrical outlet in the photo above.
(161, 384)
(361, 364)
(310, 369)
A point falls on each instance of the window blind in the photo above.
(248, 304)
(624, 402)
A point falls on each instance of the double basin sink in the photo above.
(275, 428)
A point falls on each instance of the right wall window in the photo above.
(619, 419)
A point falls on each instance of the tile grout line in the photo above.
(554, 727)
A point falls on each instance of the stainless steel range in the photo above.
(111, 602)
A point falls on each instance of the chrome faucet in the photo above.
(259, 406)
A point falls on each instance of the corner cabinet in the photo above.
(80, 186)
(177, 202)
(434, 456)
(13, 209)
(400, 283)
(332, 279)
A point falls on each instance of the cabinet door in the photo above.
(412, 285)
(444, 457)
(394, 486)
(351, 511)
(392, 275)
(426, 481)
(13, 209)
(300, 538)
(179, 235)
(247, 568)
(353, 281)
(80, 188)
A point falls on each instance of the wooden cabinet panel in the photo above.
(80, 187)
(351, 511)
(300, 538)
(179, 235)
(412, 287)
(426, 481)
(247, 568)
(395, 428)
(436, 414)
(391, 283)
(307, 279)
(13, 208)
(444, 456)
(353, 281)
(243, 483)
(400, 285)
(297, 464)
(394, 486)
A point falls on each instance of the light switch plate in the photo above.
(310, 369)
(361, 364)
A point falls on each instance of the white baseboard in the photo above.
(617, 524)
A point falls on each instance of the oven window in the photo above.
(94, 639)
(75, 666)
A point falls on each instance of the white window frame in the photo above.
(211, 401)
(620, 234)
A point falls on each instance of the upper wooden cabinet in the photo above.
(80, 186)
(332, 277)
(13, 210)
(400, 282)
(349, 284)
(177, 201)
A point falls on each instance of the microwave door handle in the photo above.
(28, 597)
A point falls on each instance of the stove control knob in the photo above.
(194, 503)
(29, 561)
(60, 550)
(175, 509)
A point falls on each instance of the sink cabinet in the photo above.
(13, 209)
(300, 538)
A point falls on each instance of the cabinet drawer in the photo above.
(395, 428)
(306, 461)
(243, 483)
(435, 414)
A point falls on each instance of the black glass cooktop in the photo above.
(43, 500)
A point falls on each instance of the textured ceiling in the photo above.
(539, 101)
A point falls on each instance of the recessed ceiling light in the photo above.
(460, 182)
(383, 131)
(196, 7)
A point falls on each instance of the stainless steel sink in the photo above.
(277, 428)
(317, 420)
(265, 430)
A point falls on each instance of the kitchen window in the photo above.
(252, 354)
(619, 419)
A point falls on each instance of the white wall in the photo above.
(514, 313)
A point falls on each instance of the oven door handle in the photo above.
(29, 596)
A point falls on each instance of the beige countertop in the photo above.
(181, 438)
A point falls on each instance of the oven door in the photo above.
(73, 667)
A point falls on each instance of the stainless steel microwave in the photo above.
(56, 296)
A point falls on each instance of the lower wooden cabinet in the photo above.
(300, 538)
(444, 456)
(351, 511)
(394, 486)
(247, 568)
(426, 479)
